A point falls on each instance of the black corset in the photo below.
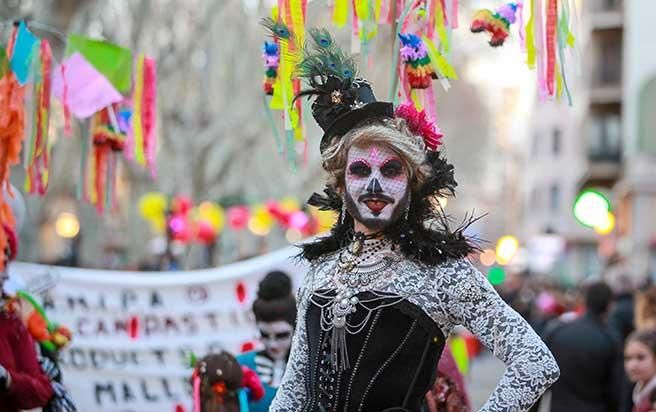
(393, 360)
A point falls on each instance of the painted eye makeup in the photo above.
(359, 169)
(392, 168)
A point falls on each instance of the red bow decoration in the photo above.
(419, 124)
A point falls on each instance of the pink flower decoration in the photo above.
(419, 124)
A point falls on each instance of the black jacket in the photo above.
(590, 361)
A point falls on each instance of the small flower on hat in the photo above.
(420, 125)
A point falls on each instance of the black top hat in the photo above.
(342, 99)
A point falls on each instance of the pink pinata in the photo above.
(420, 125)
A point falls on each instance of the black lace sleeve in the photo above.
(469, 300)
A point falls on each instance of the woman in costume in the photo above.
(23, 385)
(386, 287)
(275, 314)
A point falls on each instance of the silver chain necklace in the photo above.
(353, 276)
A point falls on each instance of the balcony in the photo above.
(604, 147)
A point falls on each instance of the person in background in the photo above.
(645, 309)
(275, 314)
(588, 354)
(23, 384)
(449, 394)
(640, 365)
(621, 318)
(220, 384)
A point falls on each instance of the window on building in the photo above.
(609, 64)
(604, 136)
(555, 141)
(554, 198)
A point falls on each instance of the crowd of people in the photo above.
(603, 336)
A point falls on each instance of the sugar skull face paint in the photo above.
(376, 186)
(276, 337)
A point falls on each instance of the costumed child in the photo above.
(391, 281)
(640, 366)
(23, 385)
(221, 384)
(275, 314)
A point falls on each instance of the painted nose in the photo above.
(374, 186)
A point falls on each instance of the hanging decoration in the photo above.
(418, 68)
(94, 81)
(141, 136)
(12, 114)
(497, 23)
(107, 142)
(549, 33)
(271, 57)
(286, 27)
(37, 156)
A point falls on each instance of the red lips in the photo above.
(375, 205)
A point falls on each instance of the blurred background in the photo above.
(521, 162)
(568, 193)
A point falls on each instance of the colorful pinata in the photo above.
(417, 63)
(497, 23)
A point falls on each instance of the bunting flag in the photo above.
(24, 49)
(112, 61)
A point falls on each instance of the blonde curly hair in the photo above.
(393, 133)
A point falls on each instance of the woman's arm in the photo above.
(469, 300)
(291, 393)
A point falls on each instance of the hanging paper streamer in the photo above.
(101, 170)
(142, 132)
(287, 30)
(441, 23)
(552, 14)
(340, 13)
(37, 157)
(548, 36)
(497, 24)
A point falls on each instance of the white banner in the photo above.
(134, 332)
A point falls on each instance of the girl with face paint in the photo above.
(275, 316)
(391, 280)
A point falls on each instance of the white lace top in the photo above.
(453, 293)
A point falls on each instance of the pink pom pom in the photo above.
(419, 124)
